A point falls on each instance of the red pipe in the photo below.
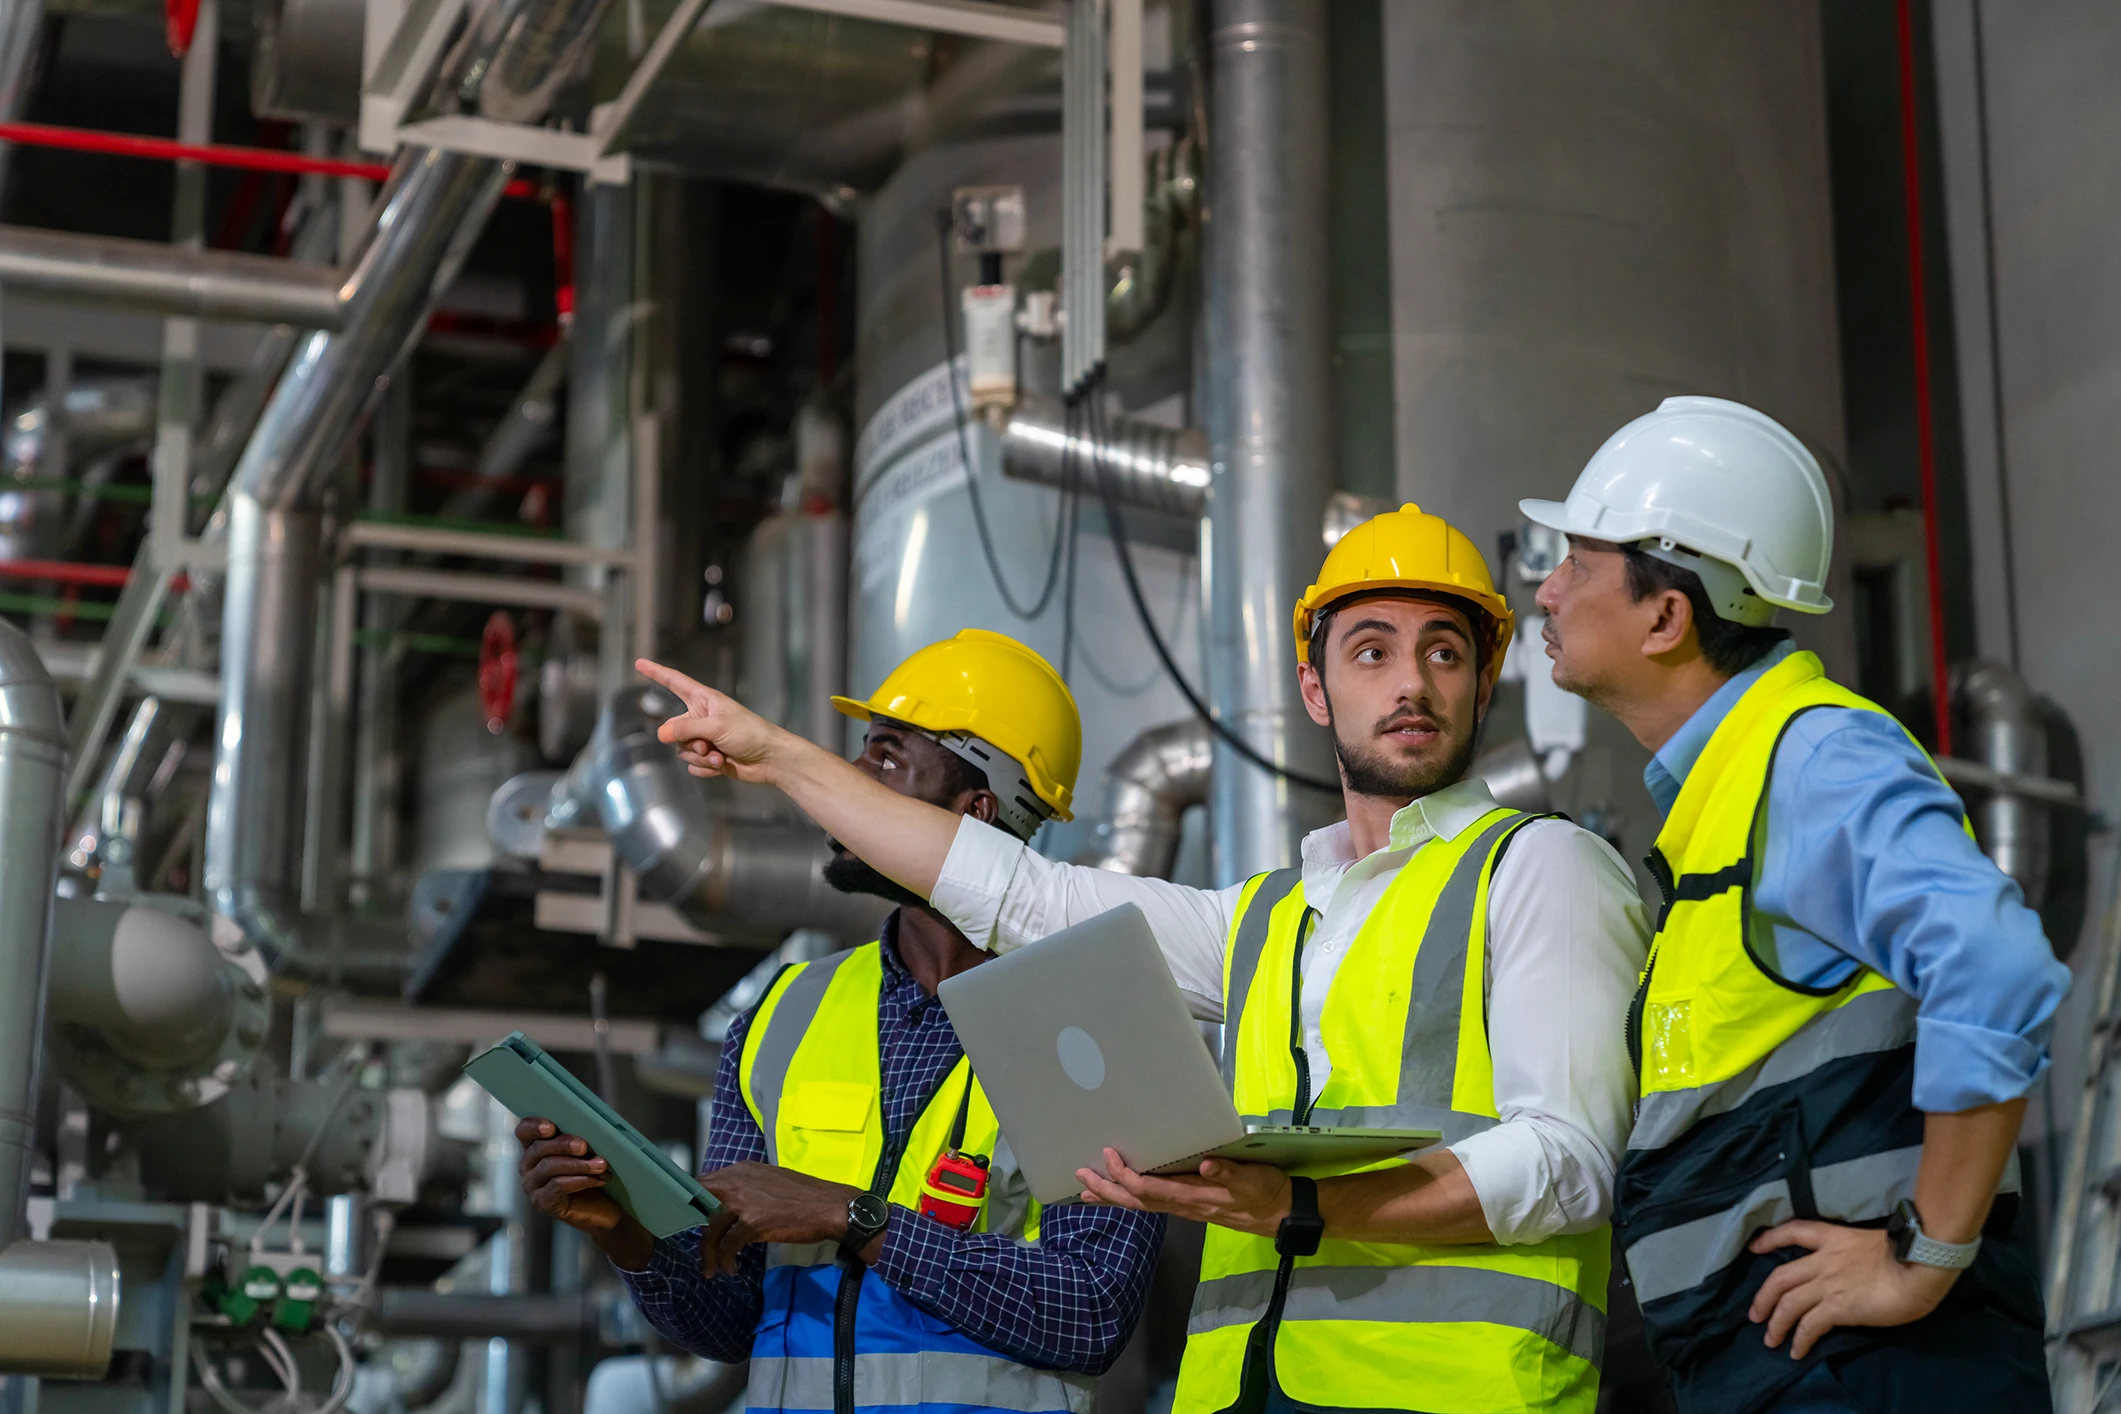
(563, 258)
(255, 159)
(1925, 416)
(70, 572)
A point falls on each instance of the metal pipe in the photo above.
(104, 835)
(2005, 734)
(58, 1300)
(21, 33)
(690, 850)
(32, 757)
(1269, 396)
(417, 1310)
(1153, 467)
(168, 279)
(150, 984)
(1148, 787)
(513, 57)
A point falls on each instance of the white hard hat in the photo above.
(1711, 484)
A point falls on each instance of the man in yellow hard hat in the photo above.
(876, 1244)
(1437, 961)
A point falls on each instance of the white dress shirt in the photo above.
(1567, 933)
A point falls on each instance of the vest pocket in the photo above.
(827, 1123)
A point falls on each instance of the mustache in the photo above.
(1404, 720)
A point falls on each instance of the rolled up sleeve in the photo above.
(1868, 861)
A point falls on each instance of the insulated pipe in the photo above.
(1152, 467)
(1148, 787)
(513, 56)
(164, 279)
(1269, 399)
(58, 1300)
(150, 984)
(689, 850)
(2002, 717)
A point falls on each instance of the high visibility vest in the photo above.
(1471, 1328)
(1762, 1099)
(811, 1076)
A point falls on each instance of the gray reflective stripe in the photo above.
(1428, 1061)
(802, 1254)
(785, 1029)
(1856, 1190)
(1246, 947)
(1875, 1021)
(918, 1377)
(1425, 1295)
(1454, 1125)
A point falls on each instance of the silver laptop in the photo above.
(1082, 1042)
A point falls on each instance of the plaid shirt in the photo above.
(1068, 1302)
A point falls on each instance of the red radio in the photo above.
(955, 1189)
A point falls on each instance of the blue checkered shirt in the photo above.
(1067, 1302)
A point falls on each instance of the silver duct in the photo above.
(1513, 776)
(106, 838)
(58, 1300)
(21, 33)
(97, 423)
(165, 279)
(1148, 787)
(696, 851)
(1269, 398)
(516, 52)
(2006, 734)
(1151, 467)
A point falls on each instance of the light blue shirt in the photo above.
(1866, 862)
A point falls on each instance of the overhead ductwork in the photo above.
(430, 212)
(723, 869)
(1148, 787)
(58, 1300)
(101, 422)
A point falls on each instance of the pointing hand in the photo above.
(715, 735)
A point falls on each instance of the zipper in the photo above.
(843, 1309)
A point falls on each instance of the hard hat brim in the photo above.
(1554, 515)
(1784, 594)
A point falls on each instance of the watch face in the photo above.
(868, 1212)
(1901, 1228)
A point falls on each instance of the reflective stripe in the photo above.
(1246, 947)
(785, 1029)
(1875, 1021)
(1408, 1295)
(1428, 1062)
(802, 1254)
(1454, 1125)
(918, 1377)
(1857, 1190)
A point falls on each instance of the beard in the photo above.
(1375, 771)
(854, 876)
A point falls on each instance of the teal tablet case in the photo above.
(666, 1199)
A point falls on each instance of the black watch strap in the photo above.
(1303, 1229)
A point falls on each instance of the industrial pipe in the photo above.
(1149, 466)
(2002, 717)
(428, 216)
(1148, 787)
(694, 852)
(58, 1301)
(166, 279)
(1269, 401)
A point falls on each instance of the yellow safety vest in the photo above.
(811, 1075)
(1762, 1099)
(1473, 1328)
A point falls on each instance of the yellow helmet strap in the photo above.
(1020, 811)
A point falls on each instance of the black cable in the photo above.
(1092, 391)
(943, 225)
(1071, 507)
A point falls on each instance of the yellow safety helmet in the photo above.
(1405, 549)
(990, 687)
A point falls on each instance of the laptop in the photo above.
(1082, 1041)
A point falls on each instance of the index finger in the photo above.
(1797, 1233)
(695, 695)
(530, 1129)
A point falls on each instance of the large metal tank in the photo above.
(918, 571)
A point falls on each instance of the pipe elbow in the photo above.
(1148, 787)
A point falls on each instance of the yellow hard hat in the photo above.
(990, 686)
(1405, 549)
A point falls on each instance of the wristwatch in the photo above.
(867, 1215)
(1904, 1232)
(1300, 1232)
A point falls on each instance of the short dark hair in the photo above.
(1730, 647)
(1476, 617)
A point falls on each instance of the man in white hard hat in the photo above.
(1845, 1003)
